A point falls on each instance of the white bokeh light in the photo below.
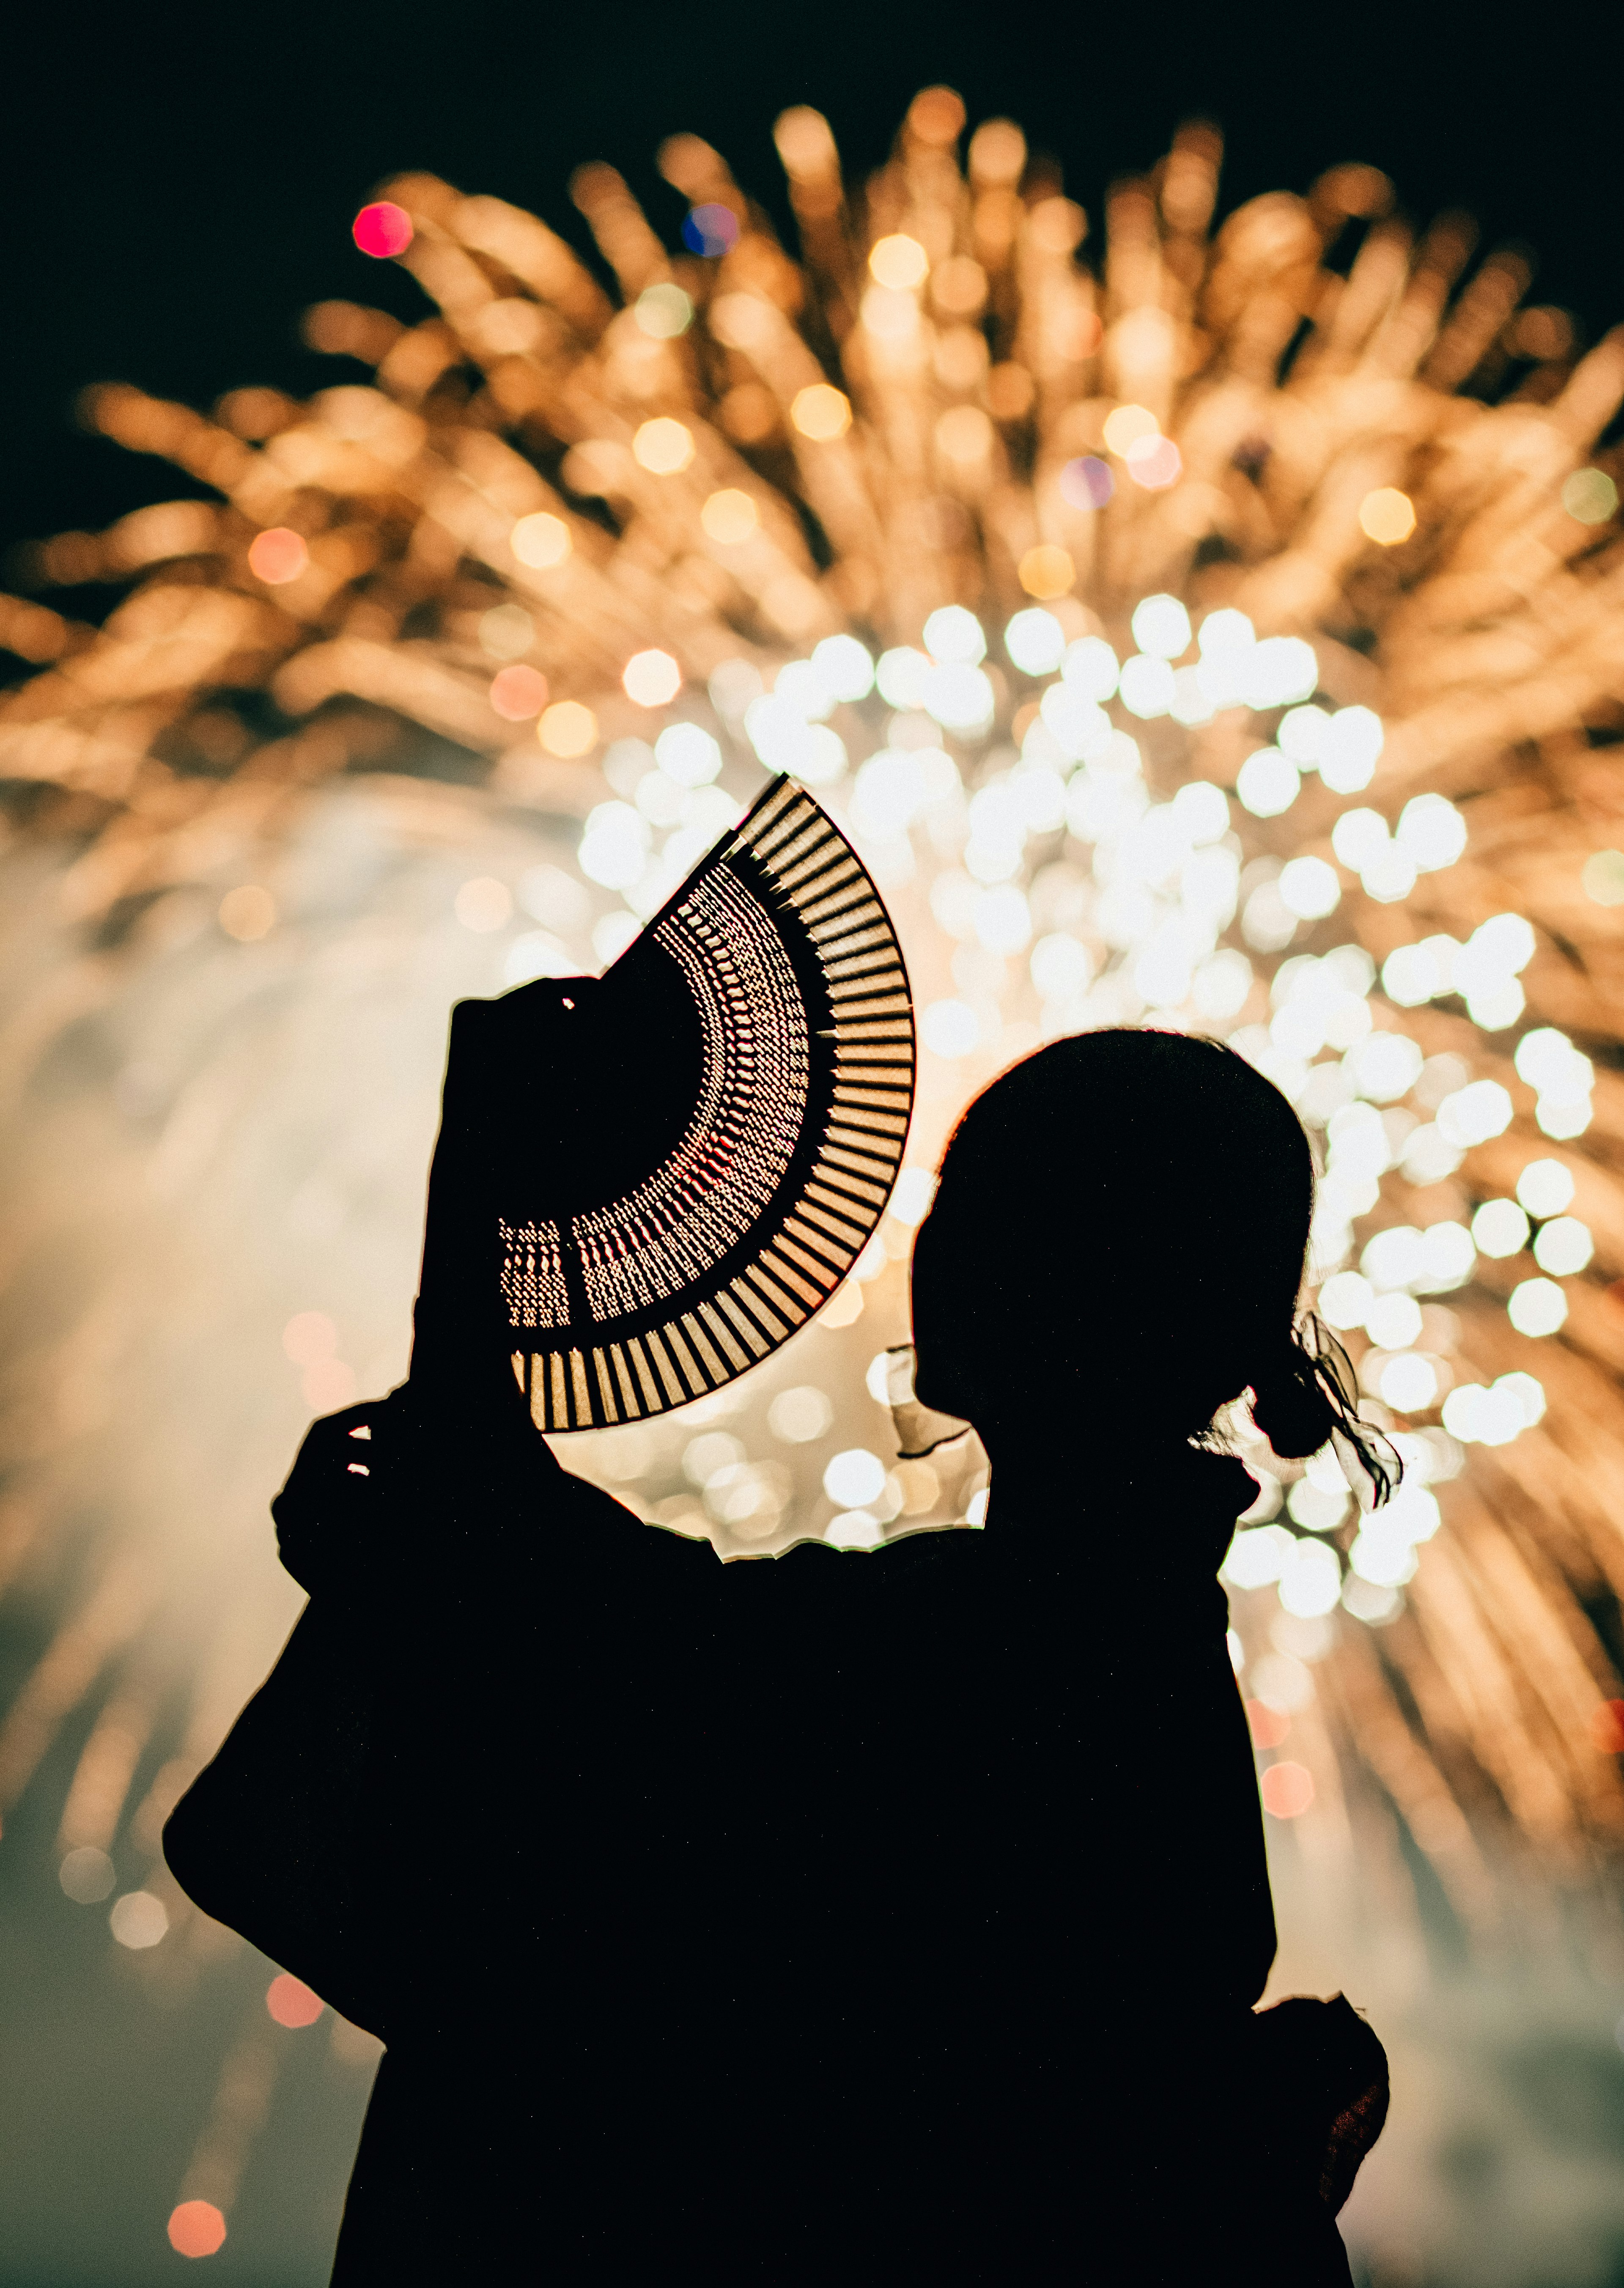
(1349, 749)
(955, 638)
(854, 1478)
(959, 697)
(614, 846)
(900, 676)
(1091, 667)
(1431, 832)
(688, 754)
(1564, 1247)
(1146, 687)
(1279, 670)
(1545, 1187)
(1310, 887)
(1035, 641)
(1310, 1580)
(1537, 1306)
(1161, 627)
(1268, 782)
(1500, 1228)
(845, 667)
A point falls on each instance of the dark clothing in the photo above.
(891, 1915)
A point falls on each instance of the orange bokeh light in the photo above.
(729, 517)
(663, 446)
(541, 541)
(1288, 1789)
(290, 2002)
(898, 261)
(277, 556)
(1607, 1727)
(567, 728)
(821, 412)
(247, 912)
(1047, 571)
(519, 693)
(196, 2229)
(1129, 424)
(1267, 1725)
(1387, 516)
(964, 434)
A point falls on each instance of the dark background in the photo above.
(180, 181)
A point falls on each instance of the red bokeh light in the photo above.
(277, 556)
(1087, 483)
(383, 229)
(1607, 1727)
(196, 2229)
(1288, 1789)
(290, 2002)
(328, 1384)
(519, 693)
(1078, 333)
(1268, 1726)
(1155, 462)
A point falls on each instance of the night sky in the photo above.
(180, 181)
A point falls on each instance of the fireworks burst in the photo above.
(1225, 636)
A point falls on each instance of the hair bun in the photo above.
(1289, 1406)
(1308, 1392)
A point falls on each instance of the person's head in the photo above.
(1118, 1238)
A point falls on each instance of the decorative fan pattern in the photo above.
(783, 1170)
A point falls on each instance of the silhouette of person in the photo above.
(890, 1914)
(1014, 1864)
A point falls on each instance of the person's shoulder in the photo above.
(618, 1533)
(908, 1565)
